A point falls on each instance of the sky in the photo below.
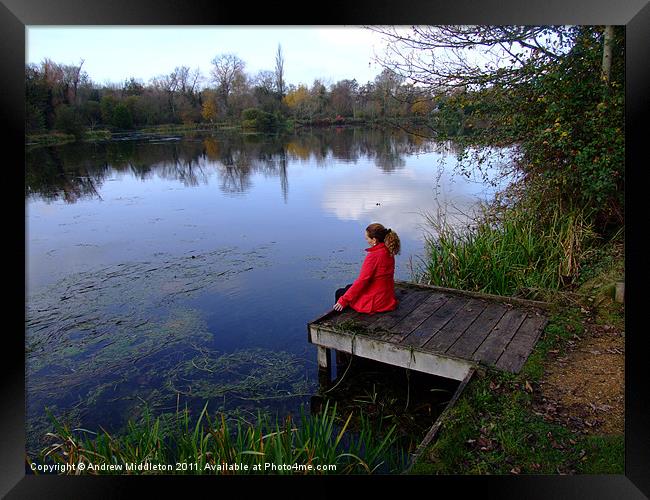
(117, 53)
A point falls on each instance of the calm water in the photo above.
(166, 272)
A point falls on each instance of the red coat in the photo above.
(374, 290)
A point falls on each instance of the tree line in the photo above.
(64, 98)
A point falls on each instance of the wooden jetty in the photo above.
(440, 331)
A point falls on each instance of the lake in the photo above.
(166, 272)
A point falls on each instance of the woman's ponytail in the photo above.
(391, 240)
(387, 236)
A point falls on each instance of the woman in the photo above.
(374, 290)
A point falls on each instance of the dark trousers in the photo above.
(342, 358)
(340, 292)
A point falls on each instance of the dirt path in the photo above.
(583, 389)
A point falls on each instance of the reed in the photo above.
(515, 255)
(320, 440)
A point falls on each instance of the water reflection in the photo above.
(78, 171)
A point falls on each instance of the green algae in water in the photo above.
(238, 385)
(113, 340)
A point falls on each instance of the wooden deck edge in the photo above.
(329, 312)
(480, 295)
(367, 346)
(433, 431)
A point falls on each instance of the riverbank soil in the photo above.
(583, 389)
(564, 412)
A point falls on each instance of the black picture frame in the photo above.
(16, 15)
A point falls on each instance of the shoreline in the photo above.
(54, 138)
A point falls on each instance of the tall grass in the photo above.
(319, 440)
(514, 255)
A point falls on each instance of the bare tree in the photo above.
(75, 76)
(265, 80)
(471, 57)
(169, 85)
(228, 68)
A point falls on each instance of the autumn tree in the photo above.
(209, 109)
(297, 101)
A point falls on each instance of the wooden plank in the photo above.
(442, 340)
(517, 351)
(434, 323)
(324, 317)
(417, 316)
(497, 340)
(392, 354)
(348, 314)
(320, 319)
(438, 423)
(480, 295)
(406, 305)
(368, 319)
(471, 338)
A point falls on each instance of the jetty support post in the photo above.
(324, 367)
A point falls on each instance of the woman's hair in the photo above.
(387, 236)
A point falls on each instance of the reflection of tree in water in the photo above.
(185, 168)
(234, 179)
(237, 157)
(75, 171)
(52, 174)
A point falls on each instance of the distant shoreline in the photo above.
(55, 138)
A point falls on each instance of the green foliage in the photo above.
(107, 106)
(69, 121)
(122, 118)
(257, 119)
(34, 118)
(92, 113)
(568, 124)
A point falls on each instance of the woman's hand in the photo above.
(338, 307)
